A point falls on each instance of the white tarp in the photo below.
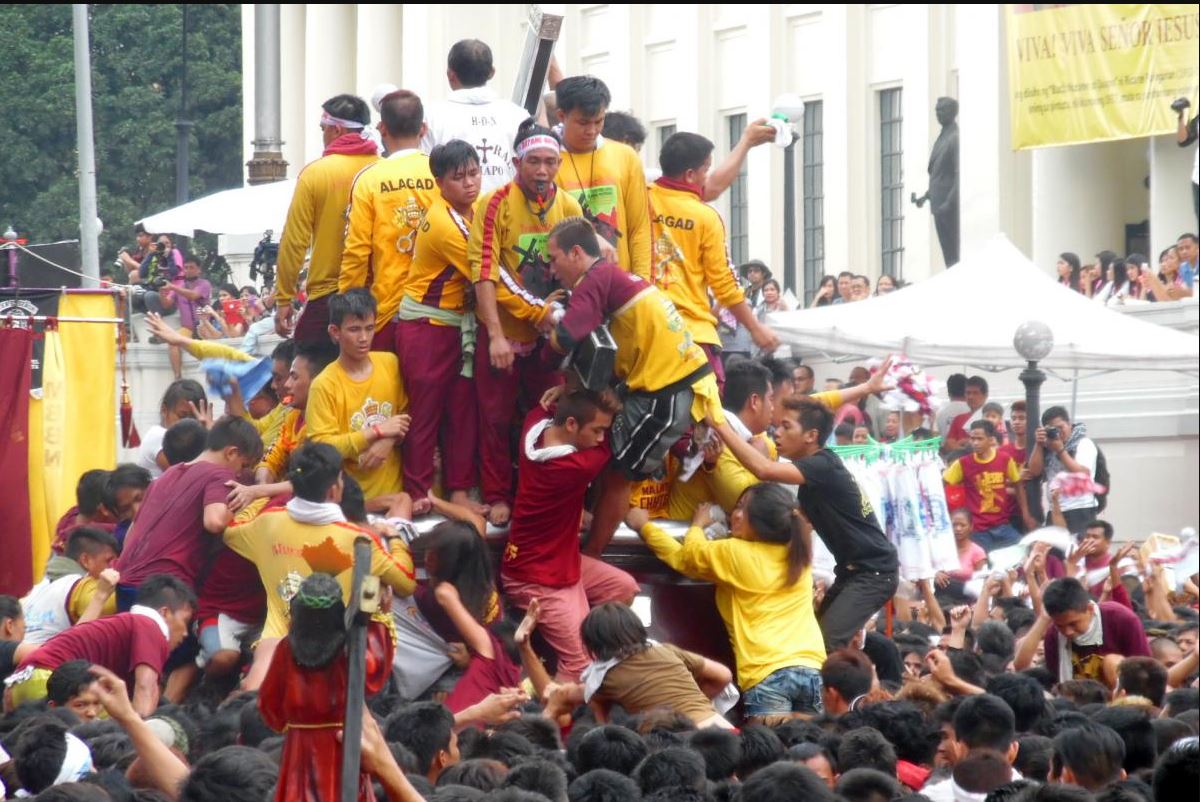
(969, 313)
(247, 210)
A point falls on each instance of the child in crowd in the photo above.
(89, 509)
(971, 556)
(72, 686)
(83, 594)
(184, 398)
(763, 575)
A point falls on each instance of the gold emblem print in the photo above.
(666, 252)
(408, 218)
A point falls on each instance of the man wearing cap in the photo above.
(316, 219)
(388, 201)
(690, 254)
(507, 251)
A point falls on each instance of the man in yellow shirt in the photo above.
(605, 176)
(356, 405)
(317, 218)
(387, 204)
(690, 254)
(510, 269)
(310, 534)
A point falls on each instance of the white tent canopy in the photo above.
(247, 210)
(968, 315)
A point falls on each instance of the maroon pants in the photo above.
(441, 402)
(313, 325)
(387, 337)
(713, 352)
(498, 393)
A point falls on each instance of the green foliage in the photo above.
(136, 71)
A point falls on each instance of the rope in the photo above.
(41, 258)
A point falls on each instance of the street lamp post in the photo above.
(1034, 341)
(786, 111)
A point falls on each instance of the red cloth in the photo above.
(68, 524)
(543, 539)
(443, 408)
(912, 775)
(308, 705)
(168, 534)
(119, 642)
(232, 586)
(353, 144)
(984, 485)
(16, 569)
(496, 394)
(682, 186)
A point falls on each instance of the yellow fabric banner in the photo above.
(89, 353)
(50, 420)
(41, 524)
(1093, 72)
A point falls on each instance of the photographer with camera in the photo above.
(131, 261)
(1187, 133)
(162, 266)
(1063, 447)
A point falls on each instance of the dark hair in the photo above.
(956, 385)
(471, 61)
(1033, 757)
(183, 390)
(811, 415)
(603, 785)
(622, 126)
(358, 302)
(1102, 525)
(402, 114)
(530, 127)
(450, 156)
(1065, 594)
(1082, 691)
(239, 433)
(903, 724)
(348, 107)
(424, 728)
(313, 469)
(582, 405)
(866, 747)
(1143, 676)
(451, 793)
(785, 782)
(584, 92)
(847, 671)
(10, 608)
(231, 774)
(744, 378)
(463, 560)
(867, 785)
(983, 771)
(317, 357)
(1094, 754)
(285, 352)
(85, 791)
(540, 776)
(683, 151)
(721, 750)
(760, 748)
(68, 681)
(984, 721)
(507, 747)
(89, 540)
(612, 747)
(1055, 413)
(1133, 726)
(1072, 259)
(39, 752)
(673, 766)
(164, 590)
(844, 430)
(1167, 731)
(482, 773)
(1178, 771)
(572, 231)
(89, 491)
(984, 426)
(995, 638)
(612, 631)
(539, 731)
(1179, 700)
(1023, 695)
(354, 504)
(184, 441)
(1120, 269)
(252, 727)
(774, 515)
(979, 383)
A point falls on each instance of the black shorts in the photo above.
(648, 424)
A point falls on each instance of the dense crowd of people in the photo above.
(1112, 279)
(189, 639)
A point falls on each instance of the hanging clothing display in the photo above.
(903, 481)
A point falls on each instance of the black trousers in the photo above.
(850, 602)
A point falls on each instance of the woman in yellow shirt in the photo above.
(763, 576)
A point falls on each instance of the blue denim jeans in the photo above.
(787, 690)
(998, 537)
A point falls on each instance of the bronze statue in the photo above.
(943, 181)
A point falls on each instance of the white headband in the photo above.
(329, 121)
(537, 141)
(77, 763)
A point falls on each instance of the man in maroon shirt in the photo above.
(1084, 639)
(133, 645)
(177, 528)
(560, 456)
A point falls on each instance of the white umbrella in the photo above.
(246, 210)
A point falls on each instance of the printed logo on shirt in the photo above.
(372, 413)
(675, 323)
(534, 267)
(407, 218)
(599, 206)
(667, 258)
(685, 223)
(987, 484)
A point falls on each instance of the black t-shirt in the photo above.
(8, 650)
(843, 516)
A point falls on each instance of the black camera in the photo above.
(161, 247)
(266, 254)
(1051, 432)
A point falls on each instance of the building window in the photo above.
(739, 213)
(814, 198)
(891, 183)
(664, 133)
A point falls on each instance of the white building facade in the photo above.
(870, 75)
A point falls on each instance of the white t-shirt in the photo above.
(148, 450)
(1085, 455)
(483, 119)
(947, 413)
